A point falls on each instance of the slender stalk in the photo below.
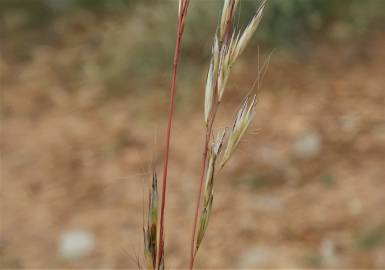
(183, 4)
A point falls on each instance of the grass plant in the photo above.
(228, 44)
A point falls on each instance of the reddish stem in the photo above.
(180, 29)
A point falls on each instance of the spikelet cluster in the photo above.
(227, 46)
(150, 228)
(225, 52)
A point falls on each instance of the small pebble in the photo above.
(307, 145)
(76, 244)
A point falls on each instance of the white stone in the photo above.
(267, 203)
(75, 244)
(262, 256)
(307, 146)
(328, 252)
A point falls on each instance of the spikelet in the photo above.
(228, 12)
(232, 49)
(241, 123)
(150, 229)
(250, 29)
(182, 5)
(147, 250)
(226, 63)
(209, 187)
(209, 90)
(211, 79)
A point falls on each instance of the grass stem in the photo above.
(183, 4)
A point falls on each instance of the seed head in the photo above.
(209, 186)
(232, 49)
(227, 61)
(249, 31)
(211, 79)
(150, 229)
(182, 5)
(241, 123)
(228, 12)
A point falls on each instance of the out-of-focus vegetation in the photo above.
(290, 21)
(145, 30)
(284, 20)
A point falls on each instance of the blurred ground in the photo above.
(305, 188)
